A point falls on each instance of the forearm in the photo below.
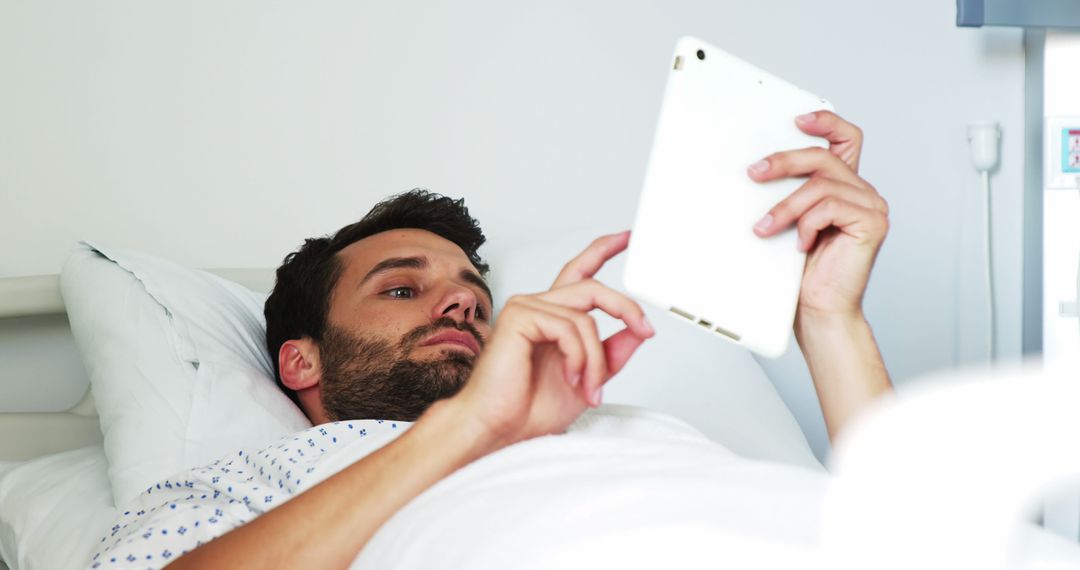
(845, 364)
(326, 526)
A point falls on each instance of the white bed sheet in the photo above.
(5, 466)
(614, 496)
(53, 509)
(631, 489)
(621, 474)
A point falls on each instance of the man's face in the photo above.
(408, 317)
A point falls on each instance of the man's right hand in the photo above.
(544, 363)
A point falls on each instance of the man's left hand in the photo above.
(840, 218)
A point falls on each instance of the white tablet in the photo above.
(693, 251)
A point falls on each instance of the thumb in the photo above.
(619, 348)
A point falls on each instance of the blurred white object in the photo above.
(946, 476)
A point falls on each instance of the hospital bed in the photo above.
(59, 479)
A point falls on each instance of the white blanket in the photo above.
(625, 488)
(623, 485)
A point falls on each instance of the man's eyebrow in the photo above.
(393, 263)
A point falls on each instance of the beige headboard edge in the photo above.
(30, 435)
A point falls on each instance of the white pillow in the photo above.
(177, 364)
(712, 384)
(53, 510)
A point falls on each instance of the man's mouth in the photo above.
(455, 337)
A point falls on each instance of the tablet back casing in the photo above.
(693, 250)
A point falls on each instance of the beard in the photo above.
(367, 377)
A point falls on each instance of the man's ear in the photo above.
(298, 361)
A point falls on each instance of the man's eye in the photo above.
(396, 293)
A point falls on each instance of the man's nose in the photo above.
(459, 303)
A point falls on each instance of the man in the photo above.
(390, 318)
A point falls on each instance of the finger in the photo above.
(589, 262)
(538, 325)
(845, 139)
(811, 161)
(618, 348)
(790, 209)
(591, 294)
(596, 367)
(863, 224)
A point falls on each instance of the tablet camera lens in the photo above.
(701, 54)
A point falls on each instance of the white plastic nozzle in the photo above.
(984, 139)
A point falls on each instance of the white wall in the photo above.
(222, 134)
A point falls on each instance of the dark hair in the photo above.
(299, 304)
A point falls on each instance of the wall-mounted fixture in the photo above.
(1018, 13)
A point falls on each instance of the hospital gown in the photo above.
(177, 515)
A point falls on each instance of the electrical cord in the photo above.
(984, 139)
(989, 263)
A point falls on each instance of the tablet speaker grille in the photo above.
(682, 313)
(706, 324)
(727, 333)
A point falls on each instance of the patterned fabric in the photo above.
(179, 514)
